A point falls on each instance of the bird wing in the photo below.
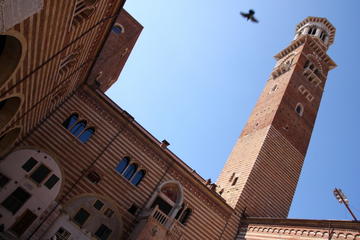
(253, 19)
(244, 14)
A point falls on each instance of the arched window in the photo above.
(8, 139)
(117, 28)
(122, 165)
(138, 177)
(10, 55)
(185, 216)
(232, 177)
(68, 123)
(130, 171)
(67, 63)
(78, 128)
(299, 109)
(8, 108)
(94, 177)
(86, 135)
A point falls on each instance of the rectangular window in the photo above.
(103, 232)
(98, 204)
(62, 234)
(15, 201)
(50, 183)
(3, 180)
(29, 164)
(40, 173)
(81, 216)
(23, 223)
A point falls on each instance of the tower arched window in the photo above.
(138, 177)
(185, 216)
(312, 31)
(299, 109)
(129, 172)
(117, 28)
(232, 177)
(68, 123)
(86, 135)
(122, 165)
(180, 211)
(67, 63)
(78, 128)
(8, 109)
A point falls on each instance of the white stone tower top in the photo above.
(317, 27)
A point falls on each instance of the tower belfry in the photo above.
(264, 166)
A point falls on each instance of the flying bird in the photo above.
(249, 16)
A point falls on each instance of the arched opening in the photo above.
(86, 135)
(78, 128)
(185, 216)
(83, 10)
(8, 139)
(299, 109)
(87, 216)
(130, 171)
(138, 177)
(117, 28)
(70, 121)
(122, 164)
(168, 198)
(10, 55)
(8, 109)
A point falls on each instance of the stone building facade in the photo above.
(74, 165)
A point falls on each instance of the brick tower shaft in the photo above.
(263, 168)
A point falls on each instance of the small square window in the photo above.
(40, 173)
(3, 180)
(98, 205)
(103, 232)
(93, 177)
(109, 212)
(81, 216)
(50, 183)
(29, 164)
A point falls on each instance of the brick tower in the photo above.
(263, 168)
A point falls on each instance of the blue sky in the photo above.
(198, 68)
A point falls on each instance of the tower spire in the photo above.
(263, 168)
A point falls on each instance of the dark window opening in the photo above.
(185, 217)
(29, 164)
(78, 128)
(133, 209)
(232, 177)
(103, 232)
(130, 171)
(70, 121)
(138, 177)
(3, 180)
(50, 183)
(98, 205)
(93, 177)
(162, 205)
(234, 182)
(40, 173)
(307, 63)
(117, 29)
(23, 223)
(299, 109)
(81, 216)
(180, 211)
(122, 165)
(2, 43)
(86, 135)
(16, 200)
